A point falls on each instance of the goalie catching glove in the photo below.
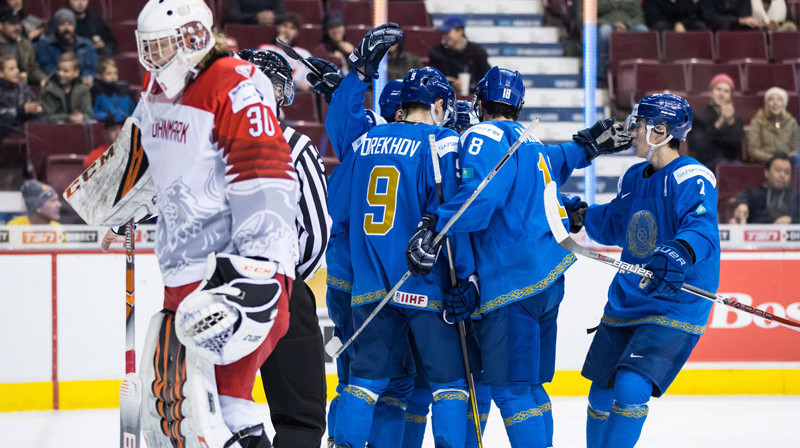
(373, 46)
(603, 137)
(668, 263)
(233, 310)
(421, 255)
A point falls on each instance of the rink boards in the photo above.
(62, 327)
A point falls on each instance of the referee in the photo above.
(294, 374)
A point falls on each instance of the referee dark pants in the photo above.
(294, 376)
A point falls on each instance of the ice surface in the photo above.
(674, 421)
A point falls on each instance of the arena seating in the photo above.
(688, 45)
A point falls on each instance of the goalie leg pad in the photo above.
(180, 403)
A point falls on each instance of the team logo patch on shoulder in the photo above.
(245, 94)
(245, 70)
(642, 233)
(687, 172)
(404, 298)
(700, 210)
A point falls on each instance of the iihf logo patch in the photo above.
(642, 234)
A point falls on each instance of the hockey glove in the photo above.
(233, 310)
(668, 264)
(331, 77)
(576, 210)
(604, 137)
(461, 301)
(373, 46)
(420, 254)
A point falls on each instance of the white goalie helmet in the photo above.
(173, 36)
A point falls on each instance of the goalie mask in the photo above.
(172, 37)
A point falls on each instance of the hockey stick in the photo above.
(294, 55)
(564, 240)
(130, 390)
(334, 347)
(462, 328)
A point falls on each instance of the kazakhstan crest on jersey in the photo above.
(642, 233)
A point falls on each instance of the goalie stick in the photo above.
(462, 328)
(551, 207)
(334, 347)
(130, 390)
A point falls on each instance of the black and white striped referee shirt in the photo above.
(313, 221)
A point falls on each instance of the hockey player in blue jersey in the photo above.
(664, 217)
(392, 187)
(346, 120)
(519, 264)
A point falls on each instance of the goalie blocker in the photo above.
(116, 186)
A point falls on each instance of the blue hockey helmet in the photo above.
(390, 99)
(663, 108)
(501, 86)
(425, 85)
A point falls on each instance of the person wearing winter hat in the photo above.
(773, 131)
(717, 132)
(64, 39)
(42, 203)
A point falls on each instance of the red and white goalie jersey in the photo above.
(223, 173)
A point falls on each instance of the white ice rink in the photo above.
(674, 421)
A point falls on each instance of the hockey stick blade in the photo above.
(561, 235)
(294, 55)
(129, 403)
(340, 348)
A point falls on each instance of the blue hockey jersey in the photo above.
(678, 201)
(515, 252)
(391, 188)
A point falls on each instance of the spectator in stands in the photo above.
(32, 26)
(729, 15)
(13, 44)
(42, 203)
(288, 30)
(50, 48)
(111, 129)
(772, 131)
(773, 14)
(18, 103)
(65, 98)
(400, 62)
(615, 16)
(110, 96)
(717, 132)
(259, 12)
(91, 25)
(456, 55)
(333, 47)
(672, 15)
(772, 203)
